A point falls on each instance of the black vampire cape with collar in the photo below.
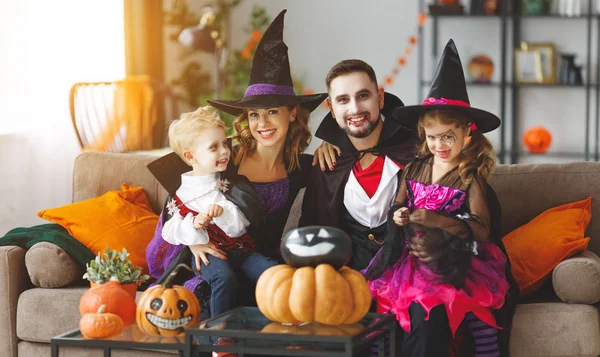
(266, 231)
(323, 202)
(168, 169)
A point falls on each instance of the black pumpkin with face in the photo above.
(314, 245)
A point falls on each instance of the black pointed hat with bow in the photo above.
(270, 82)
(448, 91)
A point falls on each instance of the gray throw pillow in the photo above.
(49, 266)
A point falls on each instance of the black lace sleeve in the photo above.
(474, 225)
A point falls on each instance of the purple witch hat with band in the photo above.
(270, 79)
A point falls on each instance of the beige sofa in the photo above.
(30, 316)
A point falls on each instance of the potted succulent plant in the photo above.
(114, 266)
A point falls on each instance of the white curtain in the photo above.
(46, 46)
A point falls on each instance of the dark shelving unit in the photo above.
(510, 14)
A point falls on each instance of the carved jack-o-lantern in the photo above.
(167, 309)
(314, 245)
(537, 140)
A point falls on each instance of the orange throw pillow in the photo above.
(117, 219)
(534, 249)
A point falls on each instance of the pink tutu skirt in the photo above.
(410, 280)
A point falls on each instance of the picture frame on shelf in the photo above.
(548, 59)
(528, 66)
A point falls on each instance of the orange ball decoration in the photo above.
(481, 68)
(537, 140)
(117, 301)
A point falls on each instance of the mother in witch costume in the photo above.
(268, 167)
(444, 193)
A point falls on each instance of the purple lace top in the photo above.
(273, 195)
(159, 253)
(434, 197)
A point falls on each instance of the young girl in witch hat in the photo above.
(444, 194)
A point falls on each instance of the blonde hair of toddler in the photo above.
(184, 131)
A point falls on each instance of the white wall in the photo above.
(321, 33)
(46, 47)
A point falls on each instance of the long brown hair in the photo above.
(478, 155)
(297, 139)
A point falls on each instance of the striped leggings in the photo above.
(485, 337)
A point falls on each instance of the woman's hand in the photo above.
(401, 216)
(201, 250)
(325, 154)
(425, 217)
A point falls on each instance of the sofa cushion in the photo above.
(95, 173)
(44, 313)
(49, 266)
(525, 190)
(555, 330)
(118, 219)
(577, 280)
(537, 247)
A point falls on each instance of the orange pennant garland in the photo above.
(402, 60)
(256, 35)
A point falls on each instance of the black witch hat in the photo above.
(448, 91)
(270, 79)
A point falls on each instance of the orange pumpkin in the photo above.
(100, 324)
(167, 309)
(307, 294)
(314, 328)
(537, 140)
(130, 288)
(111, 294)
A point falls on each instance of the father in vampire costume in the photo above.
(357, 194)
